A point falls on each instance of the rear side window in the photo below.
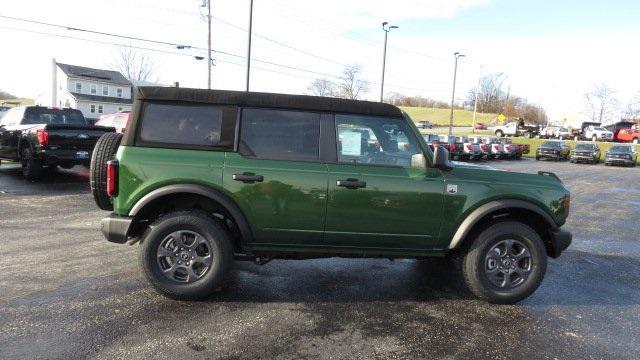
(280, 134)
(185, 125)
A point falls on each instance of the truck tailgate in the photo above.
(75, 137)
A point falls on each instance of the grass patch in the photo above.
(441, 116)
(19, 102)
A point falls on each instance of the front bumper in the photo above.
(116, 228)
(559, 241)
(618, 161)
(583, 158)
(546, 155)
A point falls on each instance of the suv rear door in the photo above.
(277, 176)
(376, 200)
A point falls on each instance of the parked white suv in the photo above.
(598, 133)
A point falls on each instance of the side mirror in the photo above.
(441, 158)
(418, 161)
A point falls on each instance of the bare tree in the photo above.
(632, 112)
(351, 85)
(601, 103)
(322, 87)
(491, 96)
(134, 65)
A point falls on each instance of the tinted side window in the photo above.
(375, 140)
(280, 134)
(195, 125)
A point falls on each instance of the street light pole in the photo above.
(210, 62)
(457, 55)
(386, 30)
(249, 44)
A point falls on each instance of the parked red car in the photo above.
(628, 135)
(481, 126)
(117, 120)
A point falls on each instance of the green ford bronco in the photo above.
(201, 178)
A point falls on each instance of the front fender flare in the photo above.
(476, 215)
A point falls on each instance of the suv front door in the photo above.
(376, 199)
(277, 178)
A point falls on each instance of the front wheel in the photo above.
(594, 138)
(186, 255)
(499, 133)
(505, 263)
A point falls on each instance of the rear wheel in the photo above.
(594, 138)
(104, 151)
(635, 141)
(499, 133)
(186, 255)
(31, 167)
(505, 263)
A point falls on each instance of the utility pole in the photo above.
(457, 55)
(207, 3)
(249, 43)
(386, 30)
(475, 103)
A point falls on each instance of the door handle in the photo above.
(351, 184)
(248, 178)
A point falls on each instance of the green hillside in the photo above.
(441, 116)
(16, 102)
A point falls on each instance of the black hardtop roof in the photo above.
(266, 100)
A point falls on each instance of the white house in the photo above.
(92, 91)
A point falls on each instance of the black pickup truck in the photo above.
(42, 137)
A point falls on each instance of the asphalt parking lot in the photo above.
(67, 293)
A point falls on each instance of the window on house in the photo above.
(105, 90)
(119, 92)
(78, 87)
(92, 109)
(100, 109)
(94, 89)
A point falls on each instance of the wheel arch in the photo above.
(189, 196)
(501, 210)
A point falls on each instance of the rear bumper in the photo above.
(559, 242)
(116, 228)
(52, 157)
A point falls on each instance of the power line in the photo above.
(180, 46)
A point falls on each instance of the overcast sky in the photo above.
(552, 51)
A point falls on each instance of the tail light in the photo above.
(566, 203)
(452, 147)
(484, 147)
(468, 146)
(43, 137)
(112, 178)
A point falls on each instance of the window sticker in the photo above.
(351, 143)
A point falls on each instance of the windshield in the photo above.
(42, 115)
(554, 144)
(620, 149)
(585, 147)
(599, 128)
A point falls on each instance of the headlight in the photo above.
(628, 156)
(595, 153)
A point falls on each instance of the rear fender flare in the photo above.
(215, 195)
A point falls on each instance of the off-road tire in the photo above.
(104, 151)
(201, 223)
(473, 262)
(31, 167)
